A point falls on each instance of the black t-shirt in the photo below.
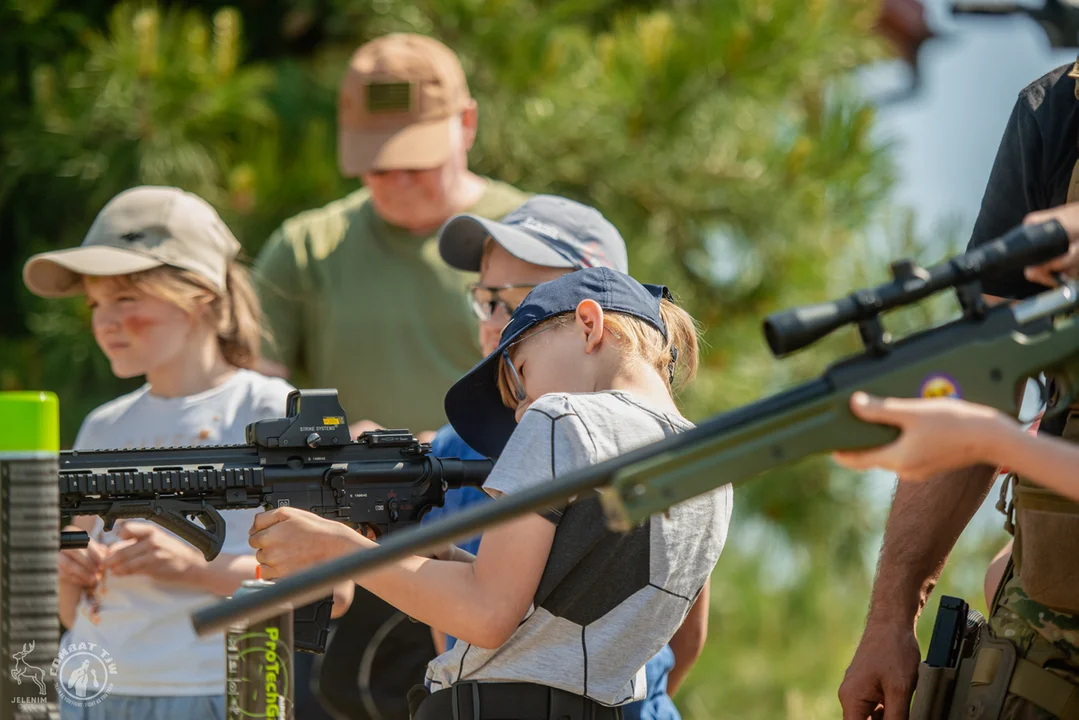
(1032, 170)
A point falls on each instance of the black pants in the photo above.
(376, 654)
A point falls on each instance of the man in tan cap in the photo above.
(358, 298)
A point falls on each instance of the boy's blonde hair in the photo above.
(675, 359)
(235, 315)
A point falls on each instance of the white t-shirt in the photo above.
(144, 623)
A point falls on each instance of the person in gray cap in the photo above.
(544, 239)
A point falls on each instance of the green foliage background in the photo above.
(724, 139)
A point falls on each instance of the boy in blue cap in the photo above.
(556, 614)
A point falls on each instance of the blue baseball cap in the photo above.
(474, 406)
(547, 230)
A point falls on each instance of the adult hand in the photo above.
(81, 567)
(288, 539)
(937, 434)
(880, 680)
(146, 549)
(361, 426)
(426, 436)
(1068, 263)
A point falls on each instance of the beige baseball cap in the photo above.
(396, 105)
(141, 228)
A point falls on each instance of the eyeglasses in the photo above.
(487, 299)
(518, 384)
(518, 388)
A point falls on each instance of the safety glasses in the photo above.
(517, 384)
(486, 300)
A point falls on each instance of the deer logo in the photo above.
(25, 671)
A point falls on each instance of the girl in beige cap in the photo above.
(168, 302)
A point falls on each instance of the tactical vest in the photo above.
(1046, 529)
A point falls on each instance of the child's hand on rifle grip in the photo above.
(287, 540)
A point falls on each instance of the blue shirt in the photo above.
(656, 705)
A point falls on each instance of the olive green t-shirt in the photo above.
(370, 309)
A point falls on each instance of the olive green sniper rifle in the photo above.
(984, 356)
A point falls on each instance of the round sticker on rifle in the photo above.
(939, 385)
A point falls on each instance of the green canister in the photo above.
(29, 541)
(258, 664)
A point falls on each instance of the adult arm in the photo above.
(924, 522)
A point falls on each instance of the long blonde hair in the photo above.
(675, 359)
(235, 315)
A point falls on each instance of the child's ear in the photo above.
(590, 321)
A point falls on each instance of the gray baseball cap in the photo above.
(141, 228)
(547, 230)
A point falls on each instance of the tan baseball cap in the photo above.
(396, 105)
(141, 228)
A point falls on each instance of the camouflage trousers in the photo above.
(1042, 636)
(1016, 708)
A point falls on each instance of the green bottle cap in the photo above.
(29, 422)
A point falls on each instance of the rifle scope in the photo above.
(794, 329)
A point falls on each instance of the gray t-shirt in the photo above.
(607, 601)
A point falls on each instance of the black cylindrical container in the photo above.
(258, 657)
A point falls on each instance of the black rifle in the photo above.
(984, 357)
(384, 480)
